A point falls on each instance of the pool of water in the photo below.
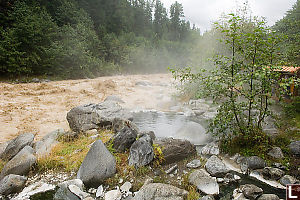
(172, 124)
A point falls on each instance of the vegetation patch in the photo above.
(68, 154)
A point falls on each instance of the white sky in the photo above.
(204, 12)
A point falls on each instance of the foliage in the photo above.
(158, 156)
(290, 25)
(76, 38)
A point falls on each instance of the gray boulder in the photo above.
(98, 165)
(251, 191)
(150, 133)
(287, 179)
(251, 163)
(91, 116)
(295, 147)
(64, 192)
(272, 173)
(3, 147)
(141, 152)
(276, 153)
(20, 164)
(216, 167)
(268, 197)
(175, 149)
(45, 145)
(210, 149)
(124, 139)
(204, 182)
(159, 191)
(14, 146)
(12, 184)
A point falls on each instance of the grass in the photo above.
(68, 155)
(2, 164)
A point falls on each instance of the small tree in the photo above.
(242, 80)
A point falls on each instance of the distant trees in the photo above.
(79, 38)
(290, 25)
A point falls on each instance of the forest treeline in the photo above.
(86, 38)
(89, 38)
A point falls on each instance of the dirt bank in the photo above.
(42, 107)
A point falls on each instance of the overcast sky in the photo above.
(204, 12)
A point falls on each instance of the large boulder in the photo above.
(141, 152)
(159, 191)
(14, 146)
(175, 149)
(204, 182)
(272, 173)
(20, 164)
(3, 147)
(124, 139)
(295, 147)
(12, 184)
(70, 190)
(276, 153)
(91, 116)
(251, 163)
(45, 145)
(216, 167)
(98, 165)
(268, 197)
(251, 191)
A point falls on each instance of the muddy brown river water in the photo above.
(40, 108)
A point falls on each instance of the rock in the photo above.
(36, 188)
(78, 192)
(20, 164)
(295, 147)
(253, 162)
(204, 182)
(100, 192)
(268, 197)
(141, 152)
(126, 187)
(272, 173)
(12, 184)
(98, 165)
(172, 169)
(251, 191)
(238, 195)
(16, 145)
(114, 98)
(150, 133)
(175, 149)
(113, 195)
(210, 149)
(124, 139)
(269, 126)
(93, 116)
(45, 145)
(194, 164)
(160, 191)
(63, 193)
(287, 179)
(35, 80)
(279, 166)
(193, 132)
(3, 147)
(276, 153)
(207, 197)
(216, 167)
